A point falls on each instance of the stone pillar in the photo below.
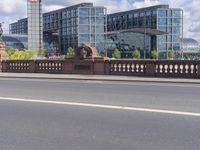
(3, 54)
(99, 66)
(198, 73)
(150, 69)
(68, 66)
(107, 67)
(3, 66)
(32, 66)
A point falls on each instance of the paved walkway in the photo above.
(98, 77)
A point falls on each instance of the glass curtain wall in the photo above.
(126, 42)
(92, 26)
(170, 21)
(69, 29)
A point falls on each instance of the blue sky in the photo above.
(12, 10)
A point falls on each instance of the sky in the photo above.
(12, 10)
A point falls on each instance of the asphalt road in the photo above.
(149, 116)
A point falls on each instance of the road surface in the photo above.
(96, 115)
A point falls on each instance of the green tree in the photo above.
(116, 53)
(10, 51)
(171, 54)
(42, 52)
(154, 54)
(23, 54)
(29, 54)
(136, 54)
(18, 55)
(70, 52)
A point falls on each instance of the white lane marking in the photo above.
(103, 106)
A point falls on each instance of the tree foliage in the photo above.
(42, 52)
(136, 54)
(70, 52)
(23, 54)
(30, 54)
(154, 54)
(19, 54)
(10, 51)
(171, 54)
(116, 53)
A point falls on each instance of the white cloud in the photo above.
(191, 17)
(12, 7)
(12, 10)
(145, 3)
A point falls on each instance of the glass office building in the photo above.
(92, 26)
(70, 27)
(127, 42)
(159, 27)
(35, 32)
(19, 27)
(171, 22)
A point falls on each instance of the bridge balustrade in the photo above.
(149, 68)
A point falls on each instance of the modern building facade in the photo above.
(19, 27)
(16, 41)
(71, 27)
(35, 25)
(157, 27)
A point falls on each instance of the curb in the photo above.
(103, 79)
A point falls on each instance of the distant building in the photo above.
(19, 27)
(70, 27)
(16, 41)
(190, 45)
(156, 27)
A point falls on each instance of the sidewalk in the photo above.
(98, 78)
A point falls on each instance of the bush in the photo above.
(70, 52)
(154, 54)
(42, 52)
(136, 54)
(171, 55)
(116, 53)
(10, 51)
(23, 54)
